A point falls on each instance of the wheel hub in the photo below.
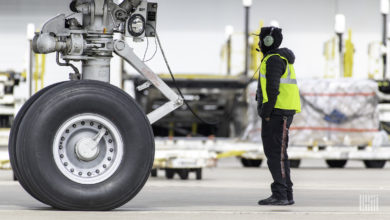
(88, 148)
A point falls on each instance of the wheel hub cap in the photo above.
(86, 149)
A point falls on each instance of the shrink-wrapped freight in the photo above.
(334, 112)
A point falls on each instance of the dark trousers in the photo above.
(278, 163)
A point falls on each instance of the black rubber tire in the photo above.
(16, 124)
(13, 137)
(183, 174)
(153, 173)
(198, 173)
(374, 164)
(336, 163)
(250, 162)
(295, 163)
(244, 162)
(169, 173)
(37, 131)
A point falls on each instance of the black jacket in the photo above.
(276, 67)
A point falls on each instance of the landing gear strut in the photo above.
(85, 144)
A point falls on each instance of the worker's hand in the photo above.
(267, 119)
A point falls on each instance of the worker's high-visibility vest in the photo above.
(288, 98)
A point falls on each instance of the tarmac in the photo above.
(230, 191)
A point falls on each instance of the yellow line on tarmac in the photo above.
(3, 163)
(232, 153)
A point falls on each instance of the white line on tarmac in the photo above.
(9, 183)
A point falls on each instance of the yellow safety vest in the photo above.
(288, 98)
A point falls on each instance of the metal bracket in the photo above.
(144, 86)
(122, 49)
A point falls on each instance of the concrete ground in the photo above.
(231, 192)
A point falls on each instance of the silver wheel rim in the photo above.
(102, 160)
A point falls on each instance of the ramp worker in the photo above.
(278, 100)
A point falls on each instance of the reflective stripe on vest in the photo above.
(288, 98)
(287, 80)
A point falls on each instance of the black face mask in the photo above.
(260, 44)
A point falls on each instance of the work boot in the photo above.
(274, 201)
(290, 199)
